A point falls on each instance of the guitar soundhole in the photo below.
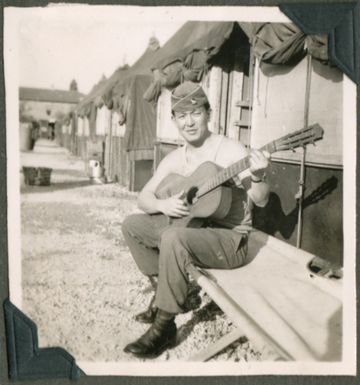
(191, 195)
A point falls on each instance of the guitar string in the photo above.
(283, 143)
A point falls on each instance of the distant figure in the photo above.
(35, 133)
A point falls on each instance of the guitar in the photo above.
(204, 190)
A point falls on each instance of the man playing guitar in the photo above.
(163, 250)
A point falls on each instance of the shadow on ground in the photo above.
(55, 187)
(206, 313)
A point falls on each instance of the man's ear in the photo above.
(174, 121)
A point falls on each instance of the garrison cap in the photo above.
(188, 96)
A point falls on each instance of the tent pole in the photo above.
(252, 66)
(300, 193)
(110, 146)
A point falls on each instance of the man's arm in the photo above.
(149, 203)
(259, 190)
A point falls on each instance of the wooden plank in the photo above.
(223, 103)
(229, 105)
(218, 346)
(110, 145)
(121, 161)
(241, 123)
(256, 334)
(178, 141)
(235, 103)
(107, 156)
(115, 159)
(165, 128)
(214, 96)
(156, 155)
(243, 103)
(159, 107)
(131, 172)
(276, 300)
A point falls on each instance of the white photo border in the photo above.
(347, 366)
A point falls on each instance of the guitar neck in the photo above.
(229, 172)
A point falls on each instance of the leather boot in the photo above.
(148, 316)
(160, 336)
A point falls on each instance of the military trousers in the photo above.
(166, 251)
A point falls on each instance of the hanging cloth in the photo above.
(280, 43)
(195, 65)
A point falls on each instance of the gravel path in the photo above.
(80, 284)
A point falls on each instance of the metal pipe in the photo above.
(252, 70)
(300, 193)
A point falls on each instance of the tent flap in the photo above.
(186, 56)
(207, 36)
(280, 43)
(194, 67)
(141, 117)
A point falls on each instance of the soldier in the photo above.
(166, 252)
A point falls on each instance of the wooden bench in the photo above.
(276, 301)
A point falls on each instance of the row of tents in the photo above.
(264, 81)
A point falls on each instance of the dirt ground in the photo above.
(80, 284)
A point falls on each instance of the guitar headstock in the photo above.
(300, 138)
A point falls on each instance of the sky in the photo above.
(60, 43)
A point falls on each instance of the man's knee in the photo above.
(171, 236)
(132, 223)
(174, 256)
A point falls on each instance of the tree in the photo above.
(73, 85)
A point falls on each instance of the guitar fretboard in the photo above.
(229, 172)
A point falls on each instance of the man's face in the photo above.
(193, 125)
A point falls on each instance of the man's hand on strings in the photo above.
(259, 162)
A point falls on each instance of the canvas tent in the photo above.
(79, 128)
(133, 148)
(127, 97)
(296, 86)
(95, 118)
(119, 117)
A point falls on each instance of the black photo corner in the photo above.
(23, 361)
